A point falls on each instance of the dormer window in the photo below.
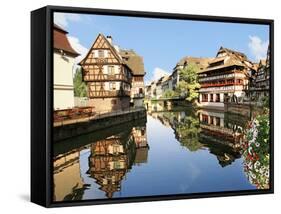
(101, 53)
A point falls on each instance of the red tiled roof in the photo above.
(61, 42)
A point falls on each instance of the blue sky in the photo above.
(162, 42)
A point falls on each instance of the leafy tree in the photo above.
(188, 85)
(80, 88)
(169, 93)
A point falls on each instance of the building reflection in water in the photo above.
(219, 132)
(158, 106)
(68, 183)
(114, 156)
(221, 127)
(111, 155)
(140, 139)
(110, 160)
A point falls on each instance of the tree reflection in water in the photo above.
(218, 132)
(112, 153)
(225, 135)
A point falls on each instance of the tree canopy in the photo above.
(169, 93)
(188, 85)
(80, 88)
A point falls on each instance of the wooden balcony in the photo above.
(106, 77)
(221, 77)
(207, 85)
(108, 93)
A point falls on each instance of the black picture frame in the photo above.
(42, 102)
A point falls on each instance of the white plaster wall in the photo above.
(63, 82)
(63, 99)
(63, 67)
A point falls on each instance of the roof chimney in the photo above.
(109, 38)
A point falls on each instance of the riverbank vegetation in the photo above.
(80, 88)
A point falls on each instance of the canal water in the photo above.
(170, 152)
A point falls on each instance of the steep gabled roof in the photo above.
(61, 41)
(227, 58)
(57, 27)
(201, 62)
(238, 54)
(133, 61)
(111, 47)
(262, 62)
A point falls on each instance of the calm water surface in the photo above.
(172, 152)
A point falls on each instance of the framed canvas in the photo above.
(131, 106)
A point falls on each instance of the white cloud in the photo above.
(62, 19)
(157, 74)
(258, 47)
(76, 45)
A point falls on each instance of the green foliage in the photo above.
(169, 93)
(265, 101)
(80, 88)
(188, 85)
(188, 132)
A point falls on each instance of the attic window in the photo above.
(101, 53)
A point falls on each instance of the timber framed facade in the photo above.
(107, 77)
(225, 79)
(262, 83)
(135, 63)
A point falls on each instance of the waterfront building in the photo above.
(148, 93)
(202, 63)
(108, 76)
(262, 80)
(153, 90)
(225, 79)
(135, 63)
(167, 83)
(159, 88)
(64, 60)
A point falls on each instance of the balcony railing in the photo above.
(222, 88)
(108, 93)
(206, 85)
(225, 76)
(106, 77)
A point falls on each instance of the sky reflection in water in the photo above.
(155, 158)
